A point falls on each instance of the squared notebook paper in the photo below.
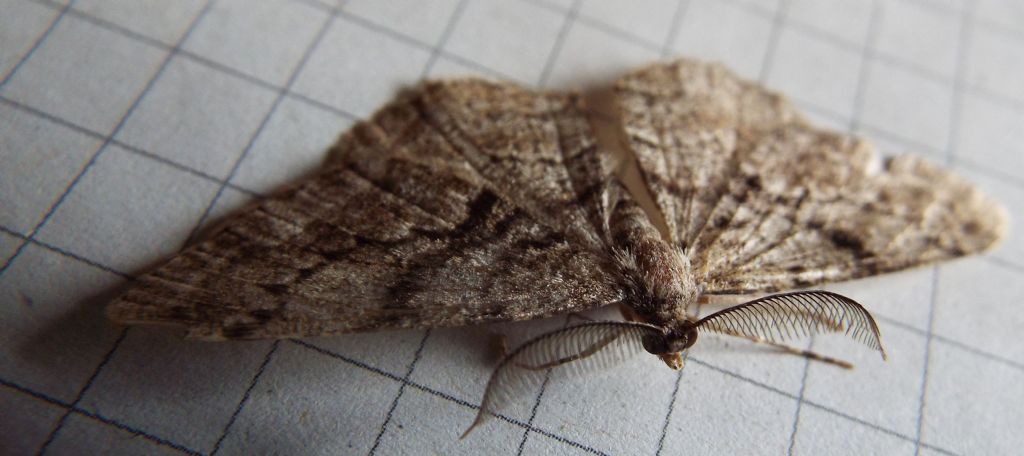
(128, 131)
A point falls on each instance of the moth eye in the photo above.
(655, 345)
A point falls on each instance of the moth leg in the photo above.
(499, 345)
(581, 317)
(724, 300)
(794, 351)
(576, 350)
(627, 313)
(574, 357)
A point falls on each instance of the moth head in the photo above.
(670, 344)
(673, 360)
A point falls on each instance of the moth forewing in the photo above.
(468, 202)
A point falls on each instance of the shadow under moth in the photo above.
(466, 202)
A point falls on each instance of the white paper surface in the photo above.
(125, 126)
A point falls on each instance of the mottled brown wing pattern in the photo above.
(539, 151)
(408, 227)
(761, 201)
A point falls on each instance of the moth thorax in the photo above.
(664, 282)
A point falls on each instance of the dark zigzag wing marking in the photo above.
(405, 234)
(800, 205)
(547, 162)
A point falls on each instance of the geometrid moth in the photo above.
(466, 202)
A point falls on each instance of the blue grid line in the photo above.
(1003, 262)
(310, 49)
(536, 401)
(70, 187)
(779, 23)
(671, 408)
(446, 35)
(666, 50)
(927, 361)
(876, 131)
(96, 417)
(937, 336)
(892, 321)
(820, 110)
(138, 151)
(99, 151)
(399, 36)
(778, 19)
(104, 266)
(623, 35)
(196, 58)
(443, 395)
(37, 43)
(614, 30)
(995, 97)
(63, 252)
(321, 6)
(512, 421)
(1017, 181)
(550, 6)
(556, 49)
(953, 342)
(963, 43)
(292, 76)
(94, 20)
(799, 403)
(896, 62)
(38, 395)
(453, 19)
(672, 399)
(938, 7)
(245, 396)
(533, 413)
(813, 31)
(807, 29)
(401, 389)
(682, 6)
(596, 23)
(323, 106)
(915, 145)
(81, 393)
(814, 404)
(1008, 32)
(135, 431)
(563, 32)
(867, 54)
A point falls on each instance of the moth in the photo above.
(467, 202)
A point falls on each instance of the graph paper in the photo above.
(128, 126)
